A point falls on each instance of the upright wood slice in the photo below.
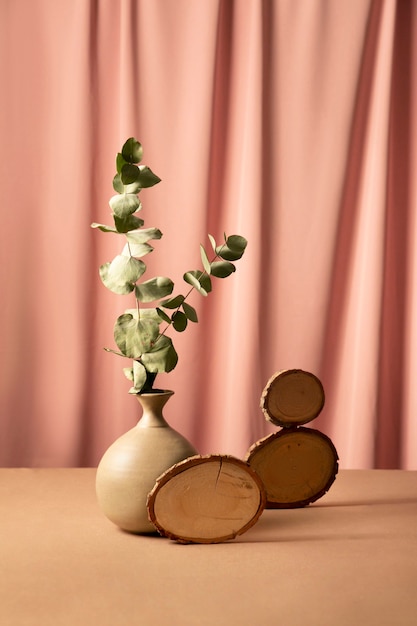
(206, 499)
(296, 465)
(292, 397)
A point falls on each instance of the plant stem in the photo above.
(137, 301)
(202, 273)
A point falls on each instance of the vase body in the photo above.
(129, 468)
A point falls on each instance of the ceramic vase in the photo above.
(129, 468)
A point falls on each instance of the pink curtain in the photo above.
(291, 122)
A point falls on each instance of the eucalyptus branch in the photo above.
(137, 332)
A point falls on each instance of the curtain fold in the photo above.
(289, 122)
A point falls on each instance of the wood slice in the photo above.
(292, 397)
(297, 466)
(206, 499)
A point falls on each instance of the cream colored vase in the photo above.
(129, 468)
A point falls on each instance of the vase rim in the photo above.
(157, 392)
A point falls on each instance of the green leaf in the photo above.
(120, 275)
(162, 357)
(143, 235)
(133, 337)
(237, 243)
(128, 372)
(222, 269)
(124, 204)
(139, 377)
(132, 151)
(117, 184)
(204, 259)
(190, 278)
(126, 224)
(126, 269)
(154, 289)
(149, 314)
(120, 161)
(121, 288)
(104, 228)
(146, 177)
(205, 281)
(190, 312)
(213, 242)
(179, 321)
(199, 280)
(173, 303)
(163, 315)
(129, 173)
(136, 250)
(233, 248)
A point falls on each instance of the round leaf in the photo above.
(191, 279)
(199, 280)
(154, 289)
(126, 269)
(124, 204)
(126, 224)
(119, 162)
(148, 314)
(119, 287)
(129, 173)
(146, 177)
(128, 372)
(120, 275)
(225, 253)
(173, 303)
(236, 243)
(132, 188)
(233, 248)
(222, 269)
(136, 250)
(133, 337)
(132, 151)
(121, 187)
(145, 314)
(143, 235)
(117, 184)
(190, 312)
(139, 376)
(205, 281)
(162, 357)
(179, 321)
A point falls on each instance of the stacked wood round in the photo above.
(213, 498)
(297, 465)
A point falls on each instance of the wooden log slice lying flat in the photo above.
(292, 397)
(297, 466)
(206, 499)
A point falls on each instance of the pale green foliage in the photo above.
(137, 332)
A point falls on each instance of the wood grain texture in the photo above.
(292, 397)
(206, 499)
(296, 465)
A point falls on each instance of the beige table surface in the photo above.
(349, 559)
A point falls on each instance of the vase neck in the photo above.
(152, 409)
